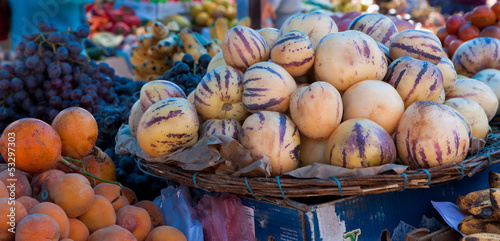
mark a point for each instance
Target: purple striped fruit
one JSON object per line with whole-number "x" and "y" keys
{"x": 219, "y": 95}
{"x": 477, "y": 54}
{"x": 343, "y": 59}
{"x": 385, "y": 50}
{"x": 270, "y": 35}
{"x": 272, "y": 134}
{"x": 312, "y": 151}
{"x": 374, "y": 100}
{"x": 316, "y": 109}
{"x": 376, "y": 25}
{"x": 316, "y": 24}
{"x": 449, "y": 73}
{"x": 474, "y": 114}
{"x": 418, "y": 44}
{"x": 157, "y": 90}
{"x": 415, "y": 80}
{"x": 243, "y": 47}
{"x": 491, "y": 77}
{"x": 358, "y": 143}
{"x": 477, "y": 91}
{"x": 217, "y": 61}
{"x": 134, "y": 117}
{"x": 228, "y": 127}
{"x": 430, "y": 134}
{"x": 267, "y": 86}
{"x": 294, "y": 52}
{"x": 167, "y": 126}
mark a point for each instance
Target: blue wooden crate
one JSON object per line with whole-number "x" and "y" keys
{"x": 362, "y": 217}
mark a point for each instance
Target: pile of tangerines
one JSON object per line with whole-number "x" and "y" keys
{"x": 482, "y": 21}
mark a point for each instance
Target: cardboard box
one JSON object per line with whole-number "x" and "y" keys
{"x": 356, "y": 218}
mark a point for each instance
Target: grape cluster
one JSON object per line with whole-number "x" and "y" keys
{"x": 146, "y": 187}
{"x": 186, "y": 73}
{"x": 52, "y": 75}
{"x": 109, "y": 118}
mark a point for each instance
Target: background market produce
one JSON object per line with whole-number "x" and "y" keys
{"x": 159, "y": 49}
{"x": 206, "y": 13}
{"x": 105, "y": 18}
{"x": 482, "y": 21}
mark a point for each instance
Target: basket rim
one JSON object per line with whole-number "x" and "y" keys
{"x": 290, "y": 187}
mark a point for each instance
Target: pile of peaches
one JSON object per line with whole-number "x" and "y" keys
{"x": 48, "y": 192}
{"x": 64, "y": 206}
{"x": 482, "y": 21}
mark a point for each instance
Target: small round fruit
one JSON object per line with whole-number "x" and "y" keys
{"x": 166, "y": 233}
{"x": 491, "y": 31}
{"x": 37, "y": 227}
{"x": 468, "y": 32}
{"x": 358, "y": 143}
{"x": 454, "y": 23}
{"x": 482, "y": 16}
{"x": 38, "y": 146}
{"x": 78, "y": 131}
{"x": 54, "y": 212}
{"x": 73, "y": 193}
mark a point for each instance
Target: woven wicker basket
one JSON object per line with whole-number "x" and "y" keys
{"x": 283, "y": 187}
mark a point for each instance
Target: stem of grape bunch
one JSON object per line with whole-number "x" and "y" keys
{"x": 67, "y": 161}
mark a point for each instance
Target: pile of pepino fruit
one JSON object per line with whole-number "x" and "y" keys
{"x": 307, "y": 93}
{"x": 58, "y": 186}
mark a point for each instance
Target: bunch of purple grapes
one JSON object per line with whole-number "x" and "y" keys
{"x": 55, "y": 74}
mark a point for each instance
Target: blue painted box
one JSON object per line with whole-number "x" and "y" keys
{"x": 361, "y": 218}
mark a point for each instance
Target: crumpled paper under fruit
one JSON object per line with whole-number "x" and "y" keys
{"x": 218, "y": 153}
{"x": 224, "y": 155}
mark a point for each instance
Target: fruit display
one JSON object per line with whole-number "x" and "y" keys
{"x": 481, "y": 208}
{"x": 386, "y": 83}
{"x": 206, "y": 13}
{"x": 482, "y": 21}
{"x": 159, "y": 49}
{"x": 105, "y": 18}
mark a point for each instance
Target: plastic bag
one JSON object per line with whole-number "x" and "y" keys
{"x": 224, "y": 219}
{"x": 176, "y": 206}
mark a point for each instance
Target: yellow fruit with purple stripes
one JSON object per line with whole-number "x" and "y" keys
{"x": 275, "y": 135}
{"x": 358, "y": 143}
{"x": 294, "y": 52}
{"x": 415, "y": 80}
{"x": 376, "y": 25}
{"x": 418, "y": 44}
{"x": 430, "y": 134}
{"x": 243, "y": 47}
{"x": 267, "y": 86}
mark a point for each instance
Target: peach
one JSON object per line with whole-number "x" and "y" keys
{"x": 21, "y": 186}
{"x": 134, "y": 219}
{"x": 77, "y": 230}
{"x": 73, "y": 193}
{"x": 113, "y": 193}
{"x": 27, "y": 202}
{"x": 130, "y": 195}
{"x": 42, "y": 182}
{"x": 36, "y": 227}
{"x": 57, "y": 213}
{"x": 117, "y": 234}
{"x": 100, "y": 214}
{"x": 166, "y": 233}
{"x": 8, "y": 219}
{"x": 4, "y": 192}
{"x": 98, "y": 233}
{"x": 66, "y": 239}
{"x": 157, "y": 218}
